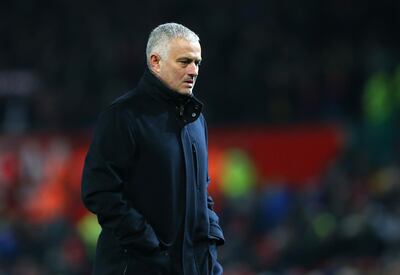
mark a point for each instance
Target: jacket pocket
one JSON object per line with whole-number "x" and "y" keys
{"x": 138, "y": 263}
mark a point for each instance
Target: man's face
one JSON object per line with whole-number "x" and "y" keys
{"x": 180, "y": 68}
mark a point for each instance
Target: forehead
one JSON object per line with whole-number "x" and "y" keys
{"x": 183, "y": 48}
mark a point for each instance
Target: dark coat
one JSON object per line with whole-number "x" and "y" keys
{"x": 146, "y": 179}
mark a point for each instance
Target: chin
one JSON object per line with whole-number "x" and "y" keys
{"x": 186, "y": 92}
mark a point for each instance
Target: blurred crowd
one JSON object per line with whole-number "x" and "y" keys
{"x": 265, "y": 63}
{"x": 348, "y": 223}
{"x": 345, "y": 222}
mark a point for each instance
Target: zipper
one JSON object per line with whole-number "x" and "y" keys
{"x": 195, "y": 165}
{"x": 183, "y": 133}
{"x": 189, "y": 145}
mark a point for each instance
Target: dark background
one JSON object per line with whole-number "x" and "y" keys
{"x": 264, "y": 61}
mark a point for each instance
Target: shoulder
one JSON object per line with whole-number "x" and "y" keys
{"x": 128, "y": 103}
{"x": 116, "y": 111}
{"x": 128, "y": 99}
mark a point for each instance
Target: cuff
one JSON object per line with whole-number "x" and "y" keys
{"x": 216, "y": 234}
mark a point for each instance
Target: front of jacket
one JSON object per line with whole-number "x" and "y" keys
{"x": 146, "y": 179}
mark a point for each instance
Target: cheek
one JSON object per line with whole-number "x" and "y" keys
{"x": 178, "y": 75}
{"x": 183, "y": 73}
{"x": 169, "y": 76}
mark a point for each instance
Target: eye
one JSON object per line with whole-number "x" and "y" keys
{"x": 184, "y": 61}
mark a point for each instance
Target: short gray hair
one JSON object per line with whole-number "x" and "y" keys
{"x": 160, "y": 37}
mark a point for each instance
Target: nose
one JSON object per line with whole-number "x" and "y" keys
{"x": 193, "y": 69}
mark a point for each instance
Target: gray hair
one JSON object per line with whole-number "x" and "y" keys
{"x": 160, "y": 37}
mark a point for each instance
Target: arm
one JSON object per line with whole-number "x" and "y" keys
{"x": 215, "y": 232}
{"x": 109, "y": 158}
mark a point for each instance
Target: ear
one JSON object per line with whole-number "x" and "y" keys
{"x": 155, "y": 62}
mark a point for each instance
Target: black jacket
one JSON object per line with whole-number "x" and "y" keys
{"x": 146, "y": 179}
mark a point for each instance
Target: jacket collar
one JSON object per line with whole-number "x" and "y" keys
{"x": 188, "y": 107}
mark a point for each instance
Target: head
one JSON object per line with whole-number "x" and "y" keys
{"x": 174, "y": 54}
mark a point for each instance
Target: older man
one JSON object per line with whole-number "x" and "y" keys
{"x": 146, "y": 172}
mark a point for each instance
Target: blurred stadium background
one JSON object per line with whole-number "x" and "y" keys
{"x": 303, "y": 105}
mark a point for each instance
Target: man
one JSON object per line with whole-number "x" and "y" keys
{"x": 145, "y": 175}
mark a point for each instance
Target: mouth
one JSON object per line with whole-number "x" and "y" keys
{"x": 189, "y": 83}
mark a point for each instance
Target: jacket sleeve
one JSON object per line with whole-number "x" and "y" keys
{"x": 215, "y": 229}
{"x": 108, "y": 160}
